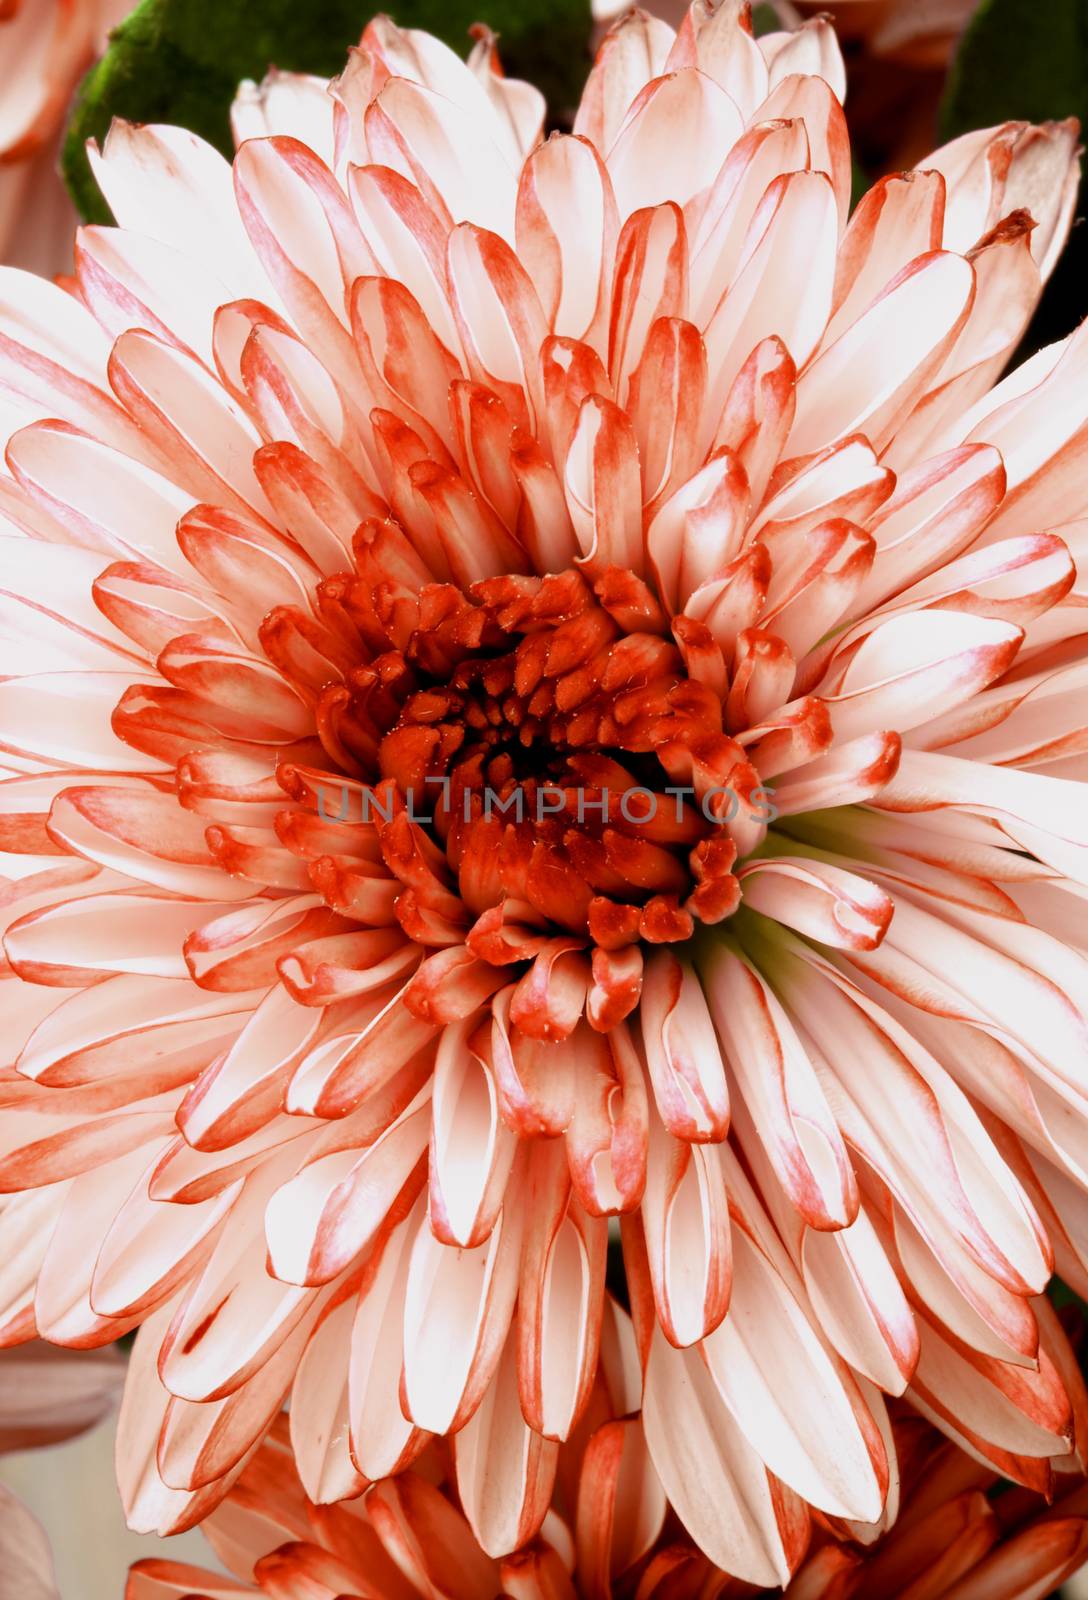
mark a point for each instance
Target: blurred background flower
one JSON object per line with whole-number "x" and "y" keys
{"x": 45, "y": 47}
{"x": 47, "y": 1395}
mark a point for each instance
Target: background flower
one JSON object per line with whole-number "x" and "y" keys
{"x": 46, "y": 1395}
{"x": 416, "y": 448}
{"x": 45, "y": 46}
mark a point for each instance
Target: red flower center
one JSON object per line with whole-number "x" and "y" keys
{"x": 529, "y": 743}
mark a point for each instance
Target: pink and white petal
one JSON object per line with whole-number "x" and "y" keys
{"x": 914, "y": 667}
{"x": 845, "y": 480}
{"x": 649, "y": 282}
{"x": 952, "y": 1184}
{"x": 758, "y": 413}
{"x": 1040, "y": 814}
{"x": 429, "y": 1540}
{"x": 682, "y": 1052}
{"x": 505, "y": 1470}
{"x": 621, "y": 1505}
{"x": 318, "y": 1411}
{"x": 129, "y": 279}
{"x": 62, "y": 1301}
{"x": 326, "y": 1217}
{"x": 48, "y": 1136}
{"x": 797, "y": 212}
{"x": 234, "y": 1315}
{"x": 418, "y": 56}
{"x": 782, "y": 1093}
{"x": 825, "y": 903}
{"x": 246, "y": 1084}
{"x": 458, "y": 161}
{"x": 988, "y": 1318}
{"x": 29, "y": 1218}
{"x": 1039, "y": 422}
{"x": 201, "y": 1443}
{"x": 560, "y": 1297}
{"x": 1012, "y": 1409}
{"x": 670, "y": 145}
{"x": 831, "y": 1455}
{"x": 407, "y": 238}
{"x": 715, "y": 1481}
{"x": 720, "y": 44}
{"x": 196, "y": 427}
{"x": 152, "y": 1579}
{"x": 458, "y": 1305}
{"x": 817, "y": 103}
{"x": 666, "y": 402}
{"x": 499, "y": 318}
{"x": 383, "y": 1440}
{"x": 813, "y": 48}
{"x": 725, "y": 212}
{"x": 46, "y": 604}
{"x": 39, "y": 319}
{"x": 848, "y": 775}
{"x": 859, "y": 1301}
{"x": 1027, "y": 986}
{"x": 340, "y": 966}
{"x": 882, "y": 364}
{"x": 170, "y": 184}
{"x": 152, "y": 1248}
{"x": 471, "y": 1148}
{"x": 686, "y": 1220}
{"x": 994, "y": 171}
{"x": 64, "y": 719}
{"x": 632, "y": 54}
{"x": 83, "y": 939}
{"x": 150, "y": 1505}
{"x": 566, "y": 227}
{"x": 937, "y": 510}
{"x": 406, "y": 366}
{"x": 358, "y": 1058}
{"x": 291, "y": 103}
{"x": 278, "y": 183}
{"x": 107, "y": 501}
{"x": 171, "y": 1027}
{"x": 899, "y": 219}
{"x": 519, "y": 108}
{"x": 606, "y": 1136}
{"x": 603, "y": 487}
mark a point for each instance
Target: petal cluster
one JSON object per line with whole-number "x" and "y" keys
{"x": 609, "y": 1531}
{"x": 543, "y": 683}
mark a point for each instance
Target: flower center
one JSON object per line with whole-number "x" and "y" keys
{"x": 532, "y": 739}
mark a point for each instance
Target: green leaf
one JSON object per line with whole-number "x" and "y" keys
{"x": 180, "y": 61}
{"x": 1060, "y": 1294}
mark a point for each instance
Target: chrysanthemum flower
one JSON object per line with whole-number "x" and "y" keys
{"x": 609, "y": 1531}
{"x": 44, "y": 47}
{"x": 418, "y": 470}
